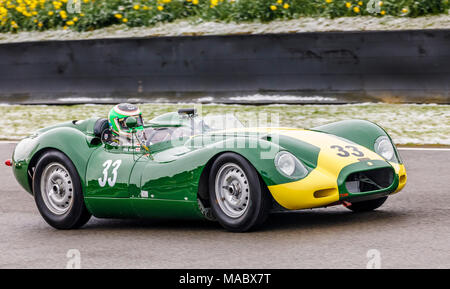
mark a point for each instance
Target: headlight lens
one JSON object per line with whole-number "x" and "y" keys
{"x": 287, "y": 164}
{"x": 384, "y": 148}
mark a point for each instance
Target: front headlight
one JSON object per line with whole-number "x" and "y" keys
{"x": 288, "y": 165}
{"x": 384, "y": 148}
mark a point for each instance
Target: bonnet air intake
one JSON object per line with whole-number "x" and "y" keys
{"x": 371, "y": 180}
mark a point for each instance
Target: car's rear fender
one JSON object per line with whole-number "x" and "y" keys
{"x": 72, "y": 142}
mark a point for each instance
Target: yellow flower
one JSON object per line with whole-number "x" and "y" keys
{"x": 380, "y": 3}
{"x": 382, "y": 12}
{"x": 360, "y": 3}
{"x": 65, "y": 27}
{"x": 348, "y": 4}
{"x": 63, "y": 14}
{"x": 279, "y": 1}
{"x": 273, "y": 7}
{"x": 136, "y": 7}
{"x": 70, "y": 23}
{"x": 195, "y": 2}
{"x": 286, "y": 6}
{"x": 40, "y": 24}
{"x": 125, "y": 20}
{"x": 50, "y": 13}
{"x": 160, "y": 8}
{"x": 75, "y": 19}
{"x": 328, "y": 1}
{"x": 356, "y": 9}
{"x": 118, "y": 16}
{"x": 405, "y": 10}
{"x": 57, "y": 4}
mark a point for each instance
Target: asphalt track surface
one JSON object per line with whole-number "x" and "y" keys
{"x": 412, "y": 230}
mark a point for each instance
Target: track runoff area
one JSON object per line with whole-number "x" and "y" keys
{"x": 410, "y": 231}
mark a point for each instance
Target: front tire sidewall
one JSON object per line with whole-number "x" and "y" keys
{"x": 255, "y": 212}
{"x": 77, "y": 215}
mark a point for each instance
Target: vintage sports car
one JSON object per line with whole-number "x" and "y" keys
{"x": 186, "y": 166}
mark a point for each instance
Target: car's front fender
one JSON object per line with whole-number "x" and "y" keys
{"x": 362, "y": 132}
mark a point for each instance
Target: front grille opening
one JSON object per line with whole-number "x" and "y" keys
{"x": 367, "y": 181}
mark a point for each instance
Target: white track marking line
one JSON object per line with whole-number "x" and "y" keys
{"x": 424, "y": 149}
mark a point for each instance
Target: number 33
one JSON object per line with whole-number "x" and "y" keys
{"x": 107, "y": 165}
{"x": 343, "y": 153}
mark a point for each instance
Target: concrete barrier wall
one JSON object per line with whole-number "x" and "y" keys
{"x": 405, "y": 66}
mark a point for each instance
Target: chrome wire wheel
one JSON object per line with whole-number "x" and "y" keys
{"x": 57, "y": 188}
{"x": 232, "y": 190}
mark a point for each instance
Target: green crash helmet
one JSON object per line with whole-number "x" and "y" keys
{"x": 118, "y": 116}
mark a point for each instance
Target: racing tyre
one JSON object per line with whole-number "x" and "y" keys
{"x": 367, "y": 206}
{"x": 57, "y": 192}
{"x": 239, "y": 199}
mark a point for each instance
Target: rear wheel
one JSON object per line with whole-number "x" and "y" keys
{"x": 57, "y": 192}
{"x": 239, "y": 199}
{"x": 367, "y": 206}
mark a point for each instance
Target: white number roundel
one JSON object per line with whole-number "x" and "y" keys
{"x": 110, "y": 180}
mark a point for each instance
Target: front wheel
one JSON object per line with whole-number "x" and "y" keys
{"x": 239, "y": 199}
{"x": 57, "y": 192}
{"x": 366, "y": 206}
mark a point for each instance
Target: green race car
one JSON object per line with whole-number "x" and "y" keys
{"x": 180, "y": 165}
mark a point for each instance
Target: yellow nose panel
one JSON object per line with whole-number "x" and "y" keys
{"x": 320, "y": 187}
{"x": 335, "y": 153}
{"x": 401, "y": 172}
{"x": 308, "y": 192}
